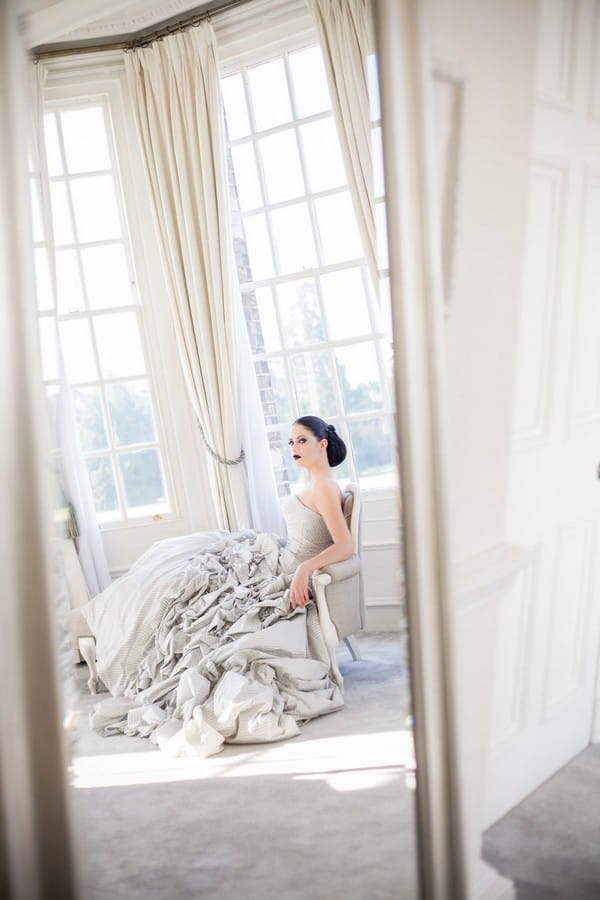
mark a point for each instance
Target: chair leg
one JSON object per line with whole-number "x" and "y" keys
{"x": 330, "y": 635}
{"x": 87, "y": 648}
{"x": 352, "y": 646}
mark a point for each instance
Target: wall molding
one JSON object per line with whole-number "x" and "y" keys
{"x": 482, "y": 575}
{"x": 561, "y": 93}
{"x": 538, "y": 318}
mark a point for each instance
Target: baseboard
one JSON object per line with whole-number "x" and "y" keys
{"x": 487, "y": 884}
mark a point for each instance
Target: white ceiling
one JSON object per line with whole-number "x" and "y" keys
{"x": 72, "y": 21}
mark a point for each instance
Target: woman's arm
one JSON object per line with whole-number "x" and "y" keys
{"x": 327, "y": 502}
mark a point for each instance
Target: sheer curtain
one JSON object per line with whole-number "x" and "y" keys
{"x": 175, "y": 93}
{"x": 343, "y": 28}
{"x": 70, "y": 466}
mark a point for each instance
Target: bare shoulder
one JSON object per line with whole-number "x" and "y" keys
{"x": 327, "y": 494}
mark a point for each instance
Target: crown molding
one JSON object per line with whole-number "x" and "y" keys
{"x": 88, "y": 20}
{"x": 136, "y": 17}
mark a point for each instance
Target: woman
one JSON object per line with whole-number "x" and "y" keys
{"x": 212, "y": 638}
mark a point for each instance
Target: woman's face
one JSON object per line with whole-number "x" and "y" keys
{"x": 305, "y": 448}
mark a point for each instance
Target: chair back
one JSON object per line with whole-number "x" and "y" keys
{"x": 351, "y": 507}
{"x": 351, "y": 510}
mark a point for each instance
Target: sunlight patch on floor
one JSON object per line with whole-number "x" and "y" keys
{"x": 361, "y": 780}
{"x": 342, "y": 761}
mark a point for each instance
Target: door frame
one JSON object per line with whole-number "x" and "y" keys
{"x": 417, "y": 311}
{"x": 415, "y": 260}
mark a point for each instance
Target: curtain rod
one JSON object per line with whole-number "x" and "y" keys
{"x": 165, "y": 28}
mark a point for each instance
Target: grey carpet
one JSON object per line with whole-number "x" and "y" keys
{"x": 326, "y": 815}
{"x": 550, "y": 843}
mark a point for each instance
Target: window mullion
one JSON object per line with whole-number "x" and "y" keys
{"x": 96, "y": 401}
{"x": 356, "y": 391}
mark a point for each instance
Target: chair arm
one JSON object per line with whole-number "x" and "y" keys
{"x": 337, "y": 592}
{"x": 339, "y": 571}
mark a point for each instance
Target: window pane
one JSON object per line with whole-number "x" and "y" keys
{"x": 322, "y": 154}
{"x": 78, "y": 351}
{"x": 52, "y": 146}
{"x": 106, "y": 275}
{"x": 143, "y": 482}
{"x": 372, "y": 446}
{"x": 36, "y": 215}
{"x": 266, "y": 389}
{"x": 310, "y": 82}
{"x": 268, "y": 322}
{"x": 345, "y": 304}
{"x": 246, "y": 176}
{"x": 61, "y": 216}
{"x": 300, "y": 314}
{"x": 270, "y": 98}
{"x": 359, "y": 377}
{"x": 236, "y": 113}
{"x": 273, "y": 383}
{"x": 381, "y": 233}
{"x": 281, "y": 166}
{"x": 84, "y": 133}
{"x": 49, "y": 348}
{"x": 385, "y": 300}
{"x": 377, "y": 157}
{"x": 373, "y": 88}
{"x": 340, "y": 239}
{"x": 69, "y": 291}
{"x": 259, "y": 251}
{"x": 313, "y": 384}
{"x": 95, "y": 208}
{"x": 281, "y": 461}
{"x": 293, "y": 237}
{"x": 130, "y": 413}
{"x": 89, "y": 418}
{"x": 119, "y": 346}
{"x": 43, "y": 284}
{"x": 102, "y": 480}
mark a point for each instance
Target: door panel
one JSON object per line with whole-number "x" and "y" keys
{"x": 549, "y": 632}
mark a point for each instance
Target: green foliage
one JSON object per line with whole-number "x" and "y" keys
{"x": 142, "y": 478}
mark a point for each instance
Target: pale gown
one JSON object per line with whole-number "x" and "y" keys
{"x": 199, "y": 646}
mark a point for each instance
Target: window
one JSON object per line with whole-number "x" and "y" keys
{"x": 97, "y": 314}
{"x": 316, "y": 332}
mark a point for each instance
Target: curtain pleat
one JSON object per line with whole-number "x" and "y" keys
{"x": 175, "y": 92}
{"x": 343, "y": 28}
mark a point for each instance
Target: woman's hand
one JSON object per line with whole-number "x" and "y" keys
{"x": 299, "y": 587}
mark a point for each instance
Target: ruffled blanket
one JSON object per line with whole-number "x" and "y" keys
{"x": 199, "y": 646}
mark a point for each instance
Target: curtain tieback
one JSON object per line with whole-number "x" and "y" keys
{"x": 221, "y": 459}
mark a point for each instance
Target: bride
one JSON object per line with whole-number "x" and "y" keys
{"x": 213, "y": 637}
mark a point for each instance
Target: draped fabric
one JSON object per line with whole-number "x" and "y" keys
{"x": 175, "y": 94}
{"x": 343, "y": 31}
{"x": 198, "y": 643}
{"x": 71, "y": 470}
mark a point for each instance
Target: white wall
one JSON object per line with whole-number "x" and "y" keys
{"x": 485, "y": 53}
{"x": 489, "y": 48}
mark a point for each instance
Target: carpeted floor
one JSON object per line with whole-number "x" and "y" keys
{"x": 550, "y": 843}
{"x": 327, "y": 815}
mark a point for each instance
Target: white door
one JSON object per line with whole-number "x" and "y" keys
{"x": 549, "y": 633}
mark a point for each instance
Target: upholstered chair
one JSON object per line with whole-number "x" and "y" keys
{"x": 339, "y": 590}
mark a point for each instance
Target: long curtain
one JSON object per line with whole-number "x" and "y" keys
{"x": 71, "y": 471}
{"x": 343, "y": 28}
{"x": 175, "y": 93}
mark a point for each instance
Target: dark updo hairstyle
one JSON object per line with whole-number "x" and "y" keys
{"x": 336, "y": 448}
